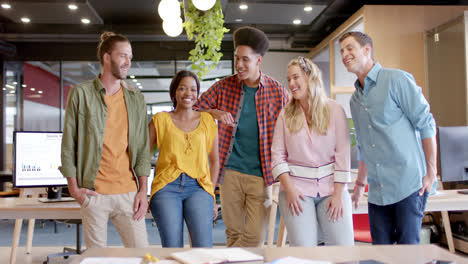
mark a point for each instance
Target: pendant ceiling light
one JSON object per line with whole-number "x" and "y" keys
{"x": 173, "y": 26}
{"x": 168, "y": 9}
{"x": 203, "y": 5}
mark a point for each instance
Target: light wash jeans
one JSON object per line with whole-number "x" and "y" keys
{"x": 183, "y": 199}
{"x": 303, "y": 229}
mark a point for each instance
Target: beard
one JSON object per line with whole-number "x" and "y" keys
{"x": 116, "y": 72}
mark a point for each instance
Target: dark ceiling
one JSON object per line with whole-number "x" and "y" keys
{"x": 57, "y": 33}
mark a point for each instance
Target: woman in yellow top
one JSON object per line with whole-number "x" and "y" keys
{"x": 187, "y": 167}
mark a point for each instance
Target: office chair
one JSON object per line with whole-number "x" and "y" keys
{"x": 361, "y": 226}
{"x": 67, "y": 252}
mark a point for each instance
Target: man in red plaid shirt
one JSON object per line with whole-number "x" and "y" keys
{"x": 246, "y": 106}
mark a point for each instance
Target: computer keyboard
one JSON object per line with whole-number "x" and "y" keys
{"x": 63, "y": 199}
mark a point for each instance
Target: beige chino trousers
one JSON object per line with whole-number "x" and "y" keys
{"x": 243, "y": 210}
{"x": 96, "y": 212}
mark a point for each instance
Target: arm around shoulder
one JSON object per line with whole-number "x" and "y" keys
{"x": 143, "y": 161}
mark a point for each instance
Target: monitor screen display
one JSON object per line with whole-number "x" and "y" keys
{"x": 453, "y": 146}
{"x": 37, "y": 159}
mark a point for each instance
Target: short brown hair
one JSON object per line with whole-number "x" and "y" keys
{"x": 175, "y": 83}
{"x": 108, "y": 39}
{"x": 362, "y": 38}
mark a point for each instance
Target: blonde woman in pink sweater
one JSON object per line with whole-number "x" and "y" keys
{"x": 311, "y": 159}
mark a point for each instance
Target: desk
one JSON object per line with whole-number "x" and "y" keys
{"x": 18, "y": 208}
{"x": 398, "y": 254}
{"x": 28, "y": 208}
{"x": 443, "y": 200}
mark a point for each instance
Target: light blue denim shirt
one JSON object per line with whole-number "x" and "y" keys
{"x": 391, "y": 116}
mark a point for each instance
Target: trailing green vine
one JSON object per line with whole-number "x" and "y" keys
{"x": 206, "y": 27}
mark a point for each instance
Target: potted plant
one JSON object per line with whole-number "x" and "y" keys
{"x": 207, "y": 29}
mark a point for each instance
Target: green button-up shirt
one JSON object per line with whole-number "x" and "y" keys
{"x": 83, "y": 133}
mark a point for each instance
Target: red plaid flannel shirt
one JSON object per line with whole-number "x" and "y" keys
{"x": 225, "y": 95}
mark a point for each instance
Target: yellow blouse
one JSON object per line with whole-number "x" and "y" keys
{"x": 181, "y": 152}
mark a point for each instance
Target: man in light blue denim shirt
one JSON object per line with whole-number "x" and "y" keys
{"x": 396, "y": 135}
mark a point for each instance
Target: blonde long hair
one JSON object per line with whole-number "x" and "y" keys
{"x": 318, "y": 114}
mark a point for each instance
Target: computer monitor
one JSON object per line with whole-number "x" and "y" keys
{"x": 36, "y": 159}
{"x": 453, "y": 148}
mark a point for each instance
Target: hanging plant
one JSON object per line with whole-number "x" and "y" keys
{"x": 207, "y": 30}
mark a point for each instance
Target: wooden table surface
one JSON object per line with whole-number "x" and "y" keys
{"x": 397, "y": 254}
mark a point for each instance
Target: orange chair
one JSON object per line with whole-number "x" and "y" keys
{"x": 361, "y": 226}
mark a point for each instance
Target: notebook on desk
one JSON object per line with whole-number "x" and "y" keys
{"x": 63, "y": 199}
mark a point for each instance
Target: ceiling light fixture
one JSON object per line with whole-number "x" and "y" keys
{"x": 168, "y": 9}
{"x": 239, "y": 20}
{"x": 25, "y": 20}
{"x": 33, "y": 89}
{"x": 173, "y": 27}
{"x": 135, "y": 80}
{"x": 203, "y": 5}
{"x": 72, "y": 7}
{"x": 12, "y": 92}
{"x": 308, "y": 8}
{"x": 243, "y": 6}
{"x": 24, "y": 85}
{"x": 85, "y": 21}
{"x": 132, "y": 76}
{"x": 4, "y": 89}
{"x": 39, "y": 92}
{"x": 10, "y": 86}
{"x": 14, "y": 83}
{"x": 138, "y": 84}
{"x": 297, "y": 21}
{"x": 6, "y": 6}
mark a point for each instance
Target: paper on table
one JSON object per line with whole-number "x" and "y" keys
{"x": 111, "y": 261}
{"x": 293, "y": 260}
{"x": 103, "y": 260}
{"x": 217, "y": 255}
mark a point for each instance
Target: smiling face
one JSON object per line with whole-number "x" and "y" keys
{"x": 119, "y": 60}
{"x": 355, "y": 57}
{"x": 247, "y": 64}
{"x": 298, "y": 83}
{"x": 186, "y": 93}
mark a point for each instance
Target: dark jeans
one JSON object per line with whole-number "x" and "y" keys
{"x": 183, "y": 199}
{"x": 399, "y": 222}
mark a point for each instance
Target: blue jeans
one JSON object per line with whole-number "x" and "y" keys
{"x": 183, "y": 199}
{"x": 399, "y": 222}
{"x": 303, "y": 230}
